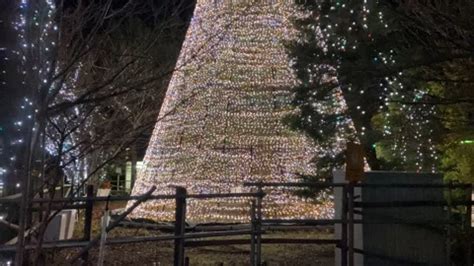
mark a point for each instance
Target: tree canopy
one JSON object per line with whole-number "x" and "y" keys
{"x": 403, "y": 70}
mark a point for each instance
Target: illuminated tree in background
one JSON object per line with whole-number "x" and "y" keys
{"x": 221, "y": 122}
{"x": 403, "y": 68}
{"x": 83, "y": 77}
{"x": 87, "y": 92}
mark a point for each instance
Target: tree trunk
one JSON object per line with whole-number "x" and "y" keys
{"x": 133, "y": 155}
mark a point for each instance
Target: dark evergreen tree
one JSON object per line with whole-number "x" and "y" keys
{"x": 401, "y": 67}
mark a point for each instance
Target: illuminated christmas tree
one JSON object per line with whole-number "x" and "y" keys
{"x": 221, "y": 121}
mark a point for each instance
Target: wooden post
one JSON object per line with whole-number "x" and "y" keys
{"x": 179, "y": 226}
{"x": 88, "y": 220}
{"x": 343, "y": 242}
{"x": 186, "y": 261}
{"x": 350, "y": 208}
{"x": 252, "y": 234}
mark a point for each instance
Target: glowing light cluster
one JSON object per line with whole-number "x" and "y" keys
{"x": 35, "y": 33}
{"x": 410, "y": 133}
{"x": 38, "y": 37}
{"x": 221, "y": 121}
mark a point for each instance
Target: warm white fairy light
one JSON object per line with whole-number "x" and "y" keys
{"x": 416, "y": 117}
{"x": 235, "y": 83}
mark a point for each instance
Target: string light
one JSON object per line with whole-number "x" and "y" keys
{"x": 32, "y": 57}
{"x": 230, "y": 128}
{"x": 407, "y": 129}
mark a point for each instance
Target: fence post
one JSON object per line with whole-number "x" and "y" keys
{"x": 179, "y": 226}
{"x": 103, "y": 234}
{"x": 88, "y": 220}
{"x": 258, "y": 224}
{"x": 468, "y": 226}
{"x": 448, "y": 225}
{"x": 350, "y": 207}
{"x": 343, "y": 242}
{"x": 252, "y": 234}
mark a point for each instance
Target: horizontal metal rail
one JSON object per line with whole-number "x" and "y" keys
{"x": 61, "y": 207}
{"x": 415, "y": 185}
{"x": 116, "y": 241}
{"x": 302, "y": 221}
{"x": 126, "y": 198}
{"x": 291, "y": 223}
{"x": 83, "y": 199}
{"x": 128, "y": 240}
{"x": 294, "y": 184}
{"x": 219, "y": 242}
{"x": 299, "y": 241}
{"x": 413, "y": 203}
{"x": 328, "y": 185}
{"x": 226, "y": 195}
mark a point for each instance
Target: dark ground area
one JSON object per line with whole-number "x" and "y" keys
{"x": 161, "y": 253}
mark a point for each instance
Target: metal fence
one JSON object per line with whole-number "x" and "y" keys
{"x": 255, "y": 230}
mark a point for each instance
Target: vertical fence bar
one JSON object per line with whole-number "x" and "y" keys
{"x": 103, "y": 236}
{"x": 448, "y": 226}
{"x": 179, "y": 226}
{"x": 252, "y": 233}
{"x": 259, "y": 225}
{"x": 350, "y": 222}
{"x": 343, "y": 242}
{"x": 468, "y": 226}
{"x": 88, "y": 220}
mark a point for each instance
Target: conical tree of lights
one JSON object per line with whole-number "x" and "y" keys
{"x": 221, "y": 121}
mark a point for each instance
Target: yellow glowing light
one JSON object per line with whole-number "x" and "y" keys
{"x": 220, "y": 123}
